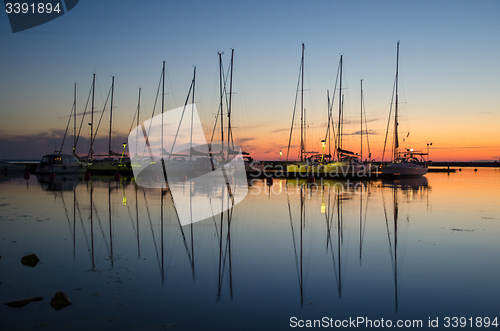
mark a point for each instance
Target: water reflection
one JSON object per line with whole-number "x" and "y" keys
{"x": 409, "y": 188}
{"x": 371, "y": 248}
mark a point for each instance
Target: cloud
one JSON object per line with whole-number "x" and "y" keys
{"x": 33, "y": 146}
{"x": 357, "y": 133}
{"x": 241, "y": 141}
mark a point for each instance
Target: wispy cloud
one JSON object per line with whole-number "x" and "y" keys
{"x": 33, "y": 146}
{"x": 357, "y": 133}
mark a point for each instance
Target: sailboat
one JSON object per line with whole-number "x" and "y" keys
{"x": 302, "y": 166}
{"x": 115, "y": 162}
{"x": 406, "y": 163}
{"x": 59, "y": 163}
{"x": 347, "y": 162}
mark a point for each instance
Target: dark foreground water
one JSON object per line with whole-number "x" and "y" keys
{"x": 407, "y": 252}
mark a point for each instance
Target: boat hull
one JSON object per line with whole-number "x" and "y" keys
{"x": 404, "y": 169}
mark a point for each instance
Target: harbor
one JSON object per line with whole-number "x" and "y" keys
{"x": 272, "y": 166}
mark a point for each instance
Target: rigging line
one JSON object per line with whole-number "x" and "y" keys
{"x": 215, "y": 125}
{"x": 136, "y": 113}
{"x": 152, "y": 231}
{"x": 83, "y": 228}
{"x": 330, "y": 116}
{"x": 153, "y": 114}
{"x": 213, "y": 217}
{"x": 180, "y": 122}
{"x": 366, "y": 127}
{"x": 170, "y": 83}
{"x": 328, "y": 218}
{"x": 83, "y": 117}
{"x": 102, "y": 230}
{"x": 335, "y": 268}
{"x": 182, "y": 230}
{"x": 66, "y": 213}
{"x": 219, "y": 109}
{"x": 388, "y": 231}
{"x": 102, "y": 114}
{"x": 293, "y": 235}
{"x": 389, "y": 120}
{"x": 226, "y": 249}
{"x": 364, "y": 220}
{"x": 67, "y": 126}
{"x": 294, "y": 109}
{"x": 131, "y": 220}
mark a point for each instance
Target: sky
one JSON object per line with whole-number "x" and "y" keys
{"x": 449, "y": 72}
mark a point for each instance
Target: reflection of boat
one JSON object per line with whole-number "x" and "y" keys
{"x": 59, "y": 163}
{"x": 407, "y": 183}
{"x": 299, "y": 253}
{"x": 407, "y": 186}
{"x": 403, "y": 164}
{"x": 62, "y": 182}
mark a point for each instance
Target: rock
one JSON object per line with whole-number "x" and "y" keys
{"x": 22, "y": 303}
{"x": 60, "y": 301}
{"x": 30, "y": 260}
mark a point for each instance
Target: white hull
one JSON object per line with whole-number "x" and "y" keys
{"x": 404, "y": 169}
{"x": 60, "y": 164}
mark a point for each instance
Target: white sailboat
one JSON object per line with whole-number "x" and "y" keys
{"x": 304, "y": 164}
{"x": 404, "y": 163}
{"x": 347, "y": 162}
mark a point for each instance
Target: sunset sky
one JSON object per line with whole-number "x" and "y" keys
{"x": 449, "y": 71}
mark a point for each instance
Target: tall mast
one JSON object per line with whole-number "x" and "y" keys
{"x": 162, "y": 107}
{"x": 230, "y": 133}
{"x": 328, "y": 126}
{"x": 396, "y": 142}
{"x": 138, "y": 122}
{"x": 74, "y": 124}
{"x": 339, "y": 144}
{"x": 192, "y": 116}
{"x": 111, "y": 114}
{"x": 361, "y": 122}
{"x": 92, "y": 120}
{"x": 221, "y": 109}
{"x": 302, "y": 133}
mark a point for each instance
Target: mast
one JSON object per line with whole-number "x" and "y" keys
{"x": 328, "y": 126}
{"x": 230, "y": 133}
{"x": 92, "y": 120}
{"x": 361, "y": 122}
{"x": 302, "y": 130}
{"x": 162, "y": 111}
{"x": 396, "y": 142}
{"x": 111, "y": 114}
{"x": 339, "y": 144}
{"x": 192, "y": 115}
{"x": 221, "y": 109}
{"x": 74, "y": 124}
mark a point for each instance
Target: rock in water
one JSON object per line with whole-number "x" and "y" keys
{"x": 22, "y": 303}
{"x": 30, "y": 260}
{"x": 59, "y": 301}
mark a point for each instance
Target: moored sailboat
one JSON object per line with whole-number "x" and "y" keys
{"x": 403, "y": 163}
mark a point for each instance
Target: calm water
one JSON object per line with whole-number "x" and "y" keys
{"x": 408, "y": 249}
